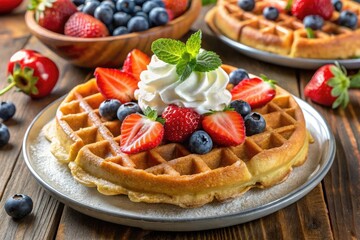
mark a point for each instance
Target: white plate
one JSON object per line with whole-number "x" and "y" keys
{"x": 302, "y": 63}
{"x": 57, "y": 180}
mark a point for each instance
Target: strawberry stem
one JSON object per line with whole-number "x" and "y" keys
{"x": 310, "y": 33}
{"x": 6, "y": 89}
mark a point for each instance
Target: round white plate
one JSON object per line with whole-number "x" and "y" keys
{"x": 57, "y": 180}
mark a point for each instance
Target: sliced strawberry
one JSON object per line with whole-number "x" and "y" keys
{"x": 140, "y": 133}
{"x": 85, "y": 26}
{"x": 303, "y": 8}
{"x": 178, "y": 7}
{"x": 114, "y": 84}
{"x": 225, "y": 128}
{"x": 136, "y": 62}
{"x": 255, "y": 91}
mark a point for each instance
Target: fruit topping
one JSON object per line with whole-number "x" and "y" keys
{"x": 241, "y": 107}
{"x": 136, "y": 62}
{"x": 18, "y": 206}
{"x": 303, "y": 8}
{"x": 114, "y": 84}
{"x": 200, "y": 142}
{"x": 226, "y": 128}
{"x": 141, "y": 132}
{"x": 348, "y": 19}
{"x": 246, "y": 5}
{"x": 337, "y": 5}
{"x": 4, "y": 135}
{"x": 254, "y": 123}
{"x": 108, "y": 109}
{"x": 180, "y": 123}
{"x": 314, "y": 22}
{"x": 329, "y": 86}
{"x": 177, "y": 7}
{"x": 271, "y": 13}
{"x": 236, "y": 76}
{"x": 255, "y": 91}
{"x": 53, "y": 14}
{"x": 127, "y": 109}
{"x": 7, "y": 110}
{"x": 85, "y": 26}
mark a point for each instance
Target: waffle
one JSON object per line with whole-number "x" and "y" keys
{"x": 169, "y": 173}
{"x": 286, "y": 36}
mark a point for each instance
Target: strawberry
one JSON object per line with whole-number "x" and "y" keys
{"x": 303, "y": 8}
{"x": 85, "y": 26}
{"x": 136, "y": 62}
{"x": 170, "y": 14}
{"x": 177, "y": 7}
{"x": 225, "y": 128}
{"x": 114, "y": 84}
{"x": 255, "y": 91}
{"x": 180, "y": 123}
{"x": 141, "y": 133}
{"x": 329, "y": 86}
{"x": 53, "y": 14}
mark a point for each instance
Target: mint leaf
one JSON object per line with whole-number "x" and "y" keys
{"x": 184, "y": 69}
{"x": 168, "y": 50}
{"x": 207, "y": 61}
{"x": 193, "y": 44}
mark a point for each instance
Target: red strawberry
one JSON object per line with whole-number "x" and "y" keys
{"x": 114, "y": 84}
{"x": 303, "y": 8}
{"x": 255, "y": 91}
{"x": 85, "y": 26}
{"x": 170, "y": 14}
{"x": 180, "y": 123}
{"x": 225, "y": 128}
{"x": 329, "y": 86}
{"x": 140, "y": 133}
{"x": 178, "y": 7}
{"x": 136, "y": 62}
{"x": 53, "y": 14}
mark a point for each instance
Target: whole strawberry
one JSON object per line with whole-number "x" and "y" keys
{"x": 52, "y": 14}
{"x": 180, "y": 123}
{"x": 303, "y": 8}
{"x": 329, "y": 86}
{"x": 85, "y": 26}
{"x": 176, "y": 7}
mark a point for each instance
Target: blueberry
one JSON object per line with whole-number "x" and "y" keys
{"x": 271, "y": 13}
{"x": 4, "y": 135}
{"x": 337, "y": 5}
{"x": 80, "y": 7}
{"x": 104, "y": 13}
{"x": 137, "y": 9}
{"x": 242, "y": 107}
{"x": 348, "y": 19}
{"x": 246, "y": 5}
{"x": 140, "y": 2}
{"x": 138, "y": 24}
{"x": 120, "y": 31}
{"x": 236, "y": 76}
{"x": 7, "y": 110}
{"x": 127, "y": 109}
{"x": 315, "y": 22}
{"x": 109, "y": 3}
{"x": 125, "y": 5}
{"x": 158, "y": 16}
{"x": 78, "y": 2}
{"x": 200, "y": 142}
{"x": 121, "y": 19}
{"x": 148, "y": 6}
{"x": 143, "y": 14}
{"x": 18, "y": 206}
{"x": 108, "y": 109}
{"x": 254, "y": 123}
{"x": 160, "y": 3}
{"x": 89, "y": 7}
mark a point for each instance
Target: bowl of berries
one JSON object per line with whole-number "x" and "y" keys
{"x": 100, "y": 33}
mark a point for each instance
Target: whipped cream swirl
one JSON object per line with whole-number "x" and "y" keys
{"x": 202, "y": 91}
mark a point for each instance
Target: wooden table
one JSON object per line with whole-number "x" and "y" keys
{"x": 330, "y": 210}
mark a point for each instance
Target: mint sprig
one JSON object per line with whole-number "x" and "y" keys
{"x": 186, "y": 56}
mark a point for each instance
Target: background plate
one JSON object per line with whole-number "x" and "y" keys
{"x": 302, "y": 63}
{"x": 57, "y": 180}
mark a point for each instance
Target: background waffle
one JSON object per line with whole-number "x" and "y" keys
{"x": 286, "y": 35}
{"x": 169, "y": 173}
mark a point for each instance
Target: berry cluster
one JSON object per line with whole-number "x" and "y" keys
{"x": 125, "y": 16}
{"x": 7, "y": 111}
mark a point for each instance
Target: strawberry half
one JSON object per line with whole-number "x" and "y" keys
{"x": 140, "y": 133}
{"x": 85, "y": 26}
{"x": 180, "y": 123}
{"x": 136, "y": 62}
{"x": 303, "y": 8}
{"x": 225, "y": 128}
{"x": 114, "y": 84}
{"x": 177, "y": 7}
{"x": 255, "y": 91}
{"x": 53, "y": 14}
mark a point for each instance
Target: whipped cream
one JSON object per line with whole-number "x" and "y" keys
{"x": 159, "y": 86}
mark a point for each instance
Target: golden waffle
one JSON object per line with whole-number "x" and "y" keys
{"x": 169, "y": 173}
{"x": 286, "y": 36}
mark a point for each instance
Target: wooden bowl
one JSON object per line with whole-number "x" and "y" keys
{"x": 110, "y": 51}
